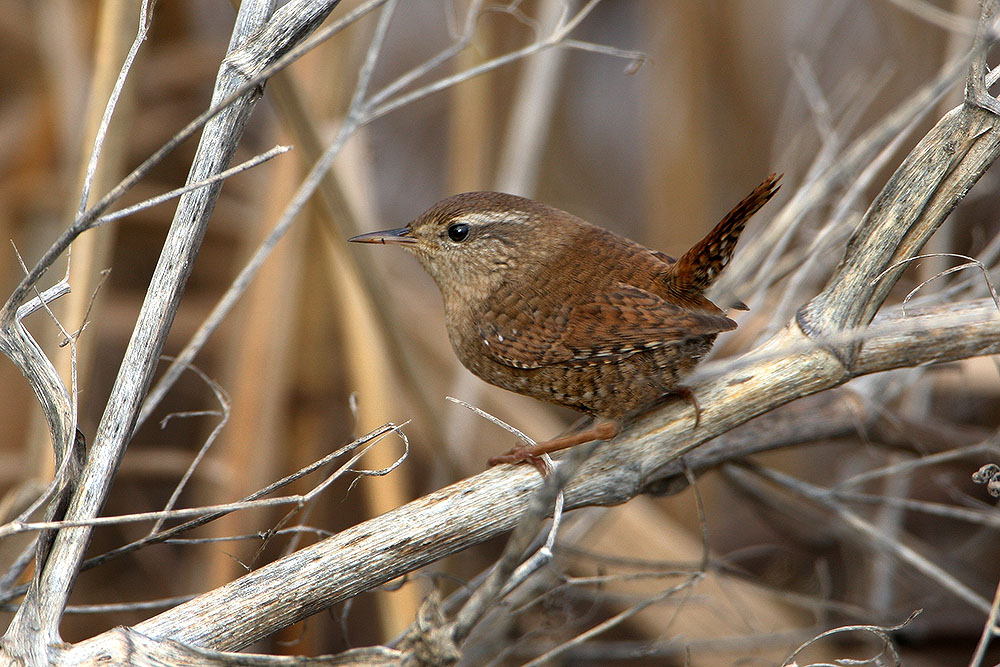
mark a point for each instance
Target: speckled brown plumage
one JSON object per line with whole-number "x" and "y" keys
{"x": 542, "y": 303}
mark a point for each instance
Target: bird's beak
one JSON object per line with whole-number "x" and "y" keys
{"x": 401, "y": 235}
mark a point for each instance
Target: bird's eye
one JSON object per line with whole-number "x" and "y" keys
{"x": 458, "y": 232}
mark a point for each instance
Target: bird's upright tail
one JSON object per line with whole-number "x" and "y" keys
{"x": 699, "y": 266}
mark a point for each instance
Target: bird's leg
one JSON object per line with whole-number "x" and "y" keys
{"x": 602, "y": 429}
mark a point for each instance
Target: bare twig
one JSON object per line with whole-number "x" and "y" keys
{"x": 173, "y": 194}
{"x": 878, "y": 539}
{"x": 145, "y": 21}
{"x": 205, "y": 515}
{"x": 223, "y": 400}
{"x": 882, "y": 632}
{"x": 990, "y": 630}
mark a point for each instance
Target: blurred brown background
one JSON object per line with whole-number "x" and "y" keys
{"x": 732, "y": 90}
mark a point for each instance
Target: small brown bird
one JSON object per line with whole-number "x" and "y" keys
{"x": 542, "y": 303}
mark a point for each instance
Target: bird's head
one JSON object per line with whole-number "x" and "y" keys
{"x": 471, "y": 242}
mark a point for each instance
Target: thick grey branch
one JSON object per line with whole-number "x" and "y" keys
{"x": 933, "y": 178}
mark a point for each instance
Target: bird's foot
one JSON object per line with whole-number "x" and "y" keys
{"x": 519, "y": 454}
{"x": 602, "y": 429}
{"x": 683, "y": 391}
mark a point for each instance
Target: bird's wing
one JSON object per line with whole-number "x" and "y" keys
{"x": 612, "y": 324}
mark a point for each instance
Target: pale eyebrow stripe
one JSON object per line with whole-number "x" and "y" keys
{"x": 484, "y": 217}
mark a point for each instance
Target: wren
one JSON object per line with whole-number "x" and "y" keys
{"x": 542, "y": 303}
